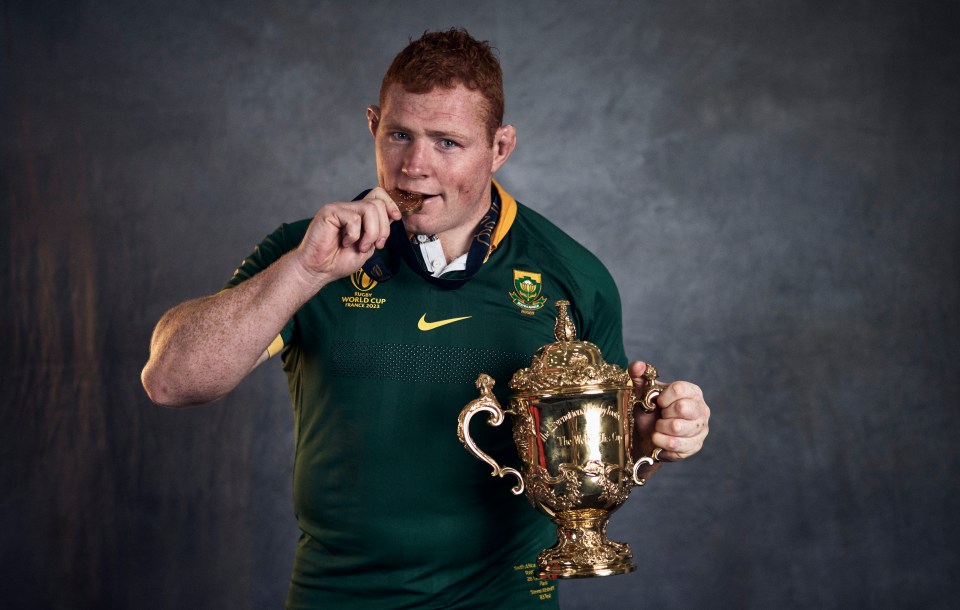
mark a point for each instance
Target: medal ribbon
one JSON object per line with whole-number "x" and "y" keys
{"x": 399, "y": 247}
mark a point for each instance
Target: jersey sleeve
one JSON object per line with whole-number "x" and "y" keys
{"x": 267, "y": 252}
{"x": 603, "y": 320}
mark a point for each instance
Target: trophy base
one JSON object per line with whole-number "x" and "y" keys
{"x": 583, "y": 549}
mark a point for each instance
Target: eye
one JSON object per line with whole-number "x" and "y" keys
{"x": 400, "y": 136}
{"x": 448, "y": 144}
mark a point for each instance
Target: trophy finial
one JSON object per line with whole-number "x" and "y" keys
{"x": 485, "y": 384}
{"x": 564, "y": 330}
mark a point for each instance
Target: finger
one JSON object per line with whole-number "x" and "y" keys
{"x": 390, "y": 206}
{"x": 383, "y": 216}
{"x": 677, "y": 426}
{"x": 351, "y": 226}
{"x": 372, "y": 225}
{"x": 685, "y": 408}
{"x": 675, "y": 448}
{"x": 680, "y": 440}
{"x": 678, "y": 390}
{"x": 387, "y": 213}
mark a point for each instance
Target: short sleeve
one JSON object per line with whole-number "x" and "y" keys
{"x": 271, "y": 249}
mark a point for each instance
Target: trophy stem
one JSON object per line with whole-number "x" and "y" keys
{"x": 583, "y": 548}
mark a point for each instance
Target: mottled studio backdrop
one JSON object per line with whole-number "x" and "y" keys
{"x": 774, "y": 185}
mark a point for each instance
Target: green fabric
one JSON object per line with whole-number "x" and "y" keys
{"x": 394, "y": 512}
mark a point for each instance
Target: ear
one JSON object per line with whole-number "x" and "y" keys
{"x": 504, "y": 141}
{"x": 373, "y": 119}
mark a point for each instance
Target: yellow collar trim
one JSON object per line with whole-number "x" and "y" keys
{"x": 508, "y": 213}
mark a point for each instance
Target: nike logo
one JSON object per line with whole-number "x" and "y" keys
{"x": 422, "y": 324}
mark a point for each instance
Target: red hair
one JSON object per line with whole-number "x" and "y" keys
{"x": 447, "y": 59}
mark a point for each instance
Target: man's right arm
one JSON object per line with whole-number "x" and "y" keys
{"x": 202, "y": 349}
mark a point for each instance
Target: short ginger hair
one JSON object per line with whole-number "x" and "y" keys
{"x": 447, "y": 59}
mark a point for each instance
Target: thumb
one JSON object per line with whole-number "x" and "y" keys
{"x": 636, "y": 370}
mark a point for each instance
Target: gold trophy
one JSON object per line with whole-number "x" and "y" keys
{"x": 572, "y": 419}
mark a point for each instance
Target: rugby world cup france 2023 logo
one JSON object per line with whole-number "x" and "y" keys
{"x": 527, "y": 291}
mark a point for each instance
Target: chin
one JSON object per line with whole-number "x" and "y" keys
{"x": 414, "y": 224}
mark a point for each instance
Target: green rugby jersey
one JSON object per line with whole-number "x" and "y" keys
{"x": 394, "y": 512}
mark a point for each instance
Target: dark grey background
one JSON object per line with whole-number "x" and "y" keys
{"x": 773, "y": 185}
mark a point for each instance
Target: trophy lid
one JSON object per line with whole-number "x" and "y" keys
{"x": 568, "y": 366}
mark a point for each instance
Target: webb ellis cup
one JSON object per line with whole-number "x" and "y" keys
{"x": 572, "y": 417}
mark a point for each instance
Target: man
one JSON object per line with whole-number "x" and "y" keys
{"x": 384, "y": 321}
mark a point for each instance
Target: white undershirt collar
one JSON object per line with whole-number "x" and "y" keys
{"x": 433, "y": 257}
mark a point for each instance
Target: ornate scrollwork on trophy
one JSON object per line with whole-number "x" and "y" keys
{"x": 545, "y": 376}
{"x": 561, "y": 492}
{"x": 614, "y": 492}
{"x": 585, "y": 545}
{"x": 567, "y": 365}
{"x": 523, "y": 431}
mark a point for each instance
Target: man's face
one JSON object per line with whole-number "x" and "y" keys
{"x": 437, "y": 144}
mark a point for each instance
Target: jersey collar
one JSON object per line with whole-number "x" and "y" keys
{"x": 384, "y": 264}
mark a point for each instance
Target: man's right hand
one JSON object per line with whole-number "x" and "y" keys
{"x": 343, "y": 235}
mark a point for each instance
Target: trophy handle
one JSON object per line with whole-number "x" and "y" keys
{"x": 648, "y": 403}
{"x": 487, "y": 402}
{"x": 654, "y": 388}
{"x": 648, "y": 460}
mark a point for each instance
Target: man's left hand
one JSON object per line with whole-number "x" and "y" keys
{"x": 680, "y": 423}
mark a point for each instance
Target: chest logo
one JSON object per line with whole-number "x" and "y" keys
{"x": 527, "y": 291}
{"x": 423, "y": 325}
{"x": 362, "y": 297}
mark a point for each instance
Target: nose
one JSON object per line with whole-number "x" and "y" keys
{"x": 416, "y": 162}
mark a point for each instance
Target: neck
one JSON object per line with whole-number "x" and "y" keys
{"x": 454, "y": 250}
{"x": 457, "y": 241}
